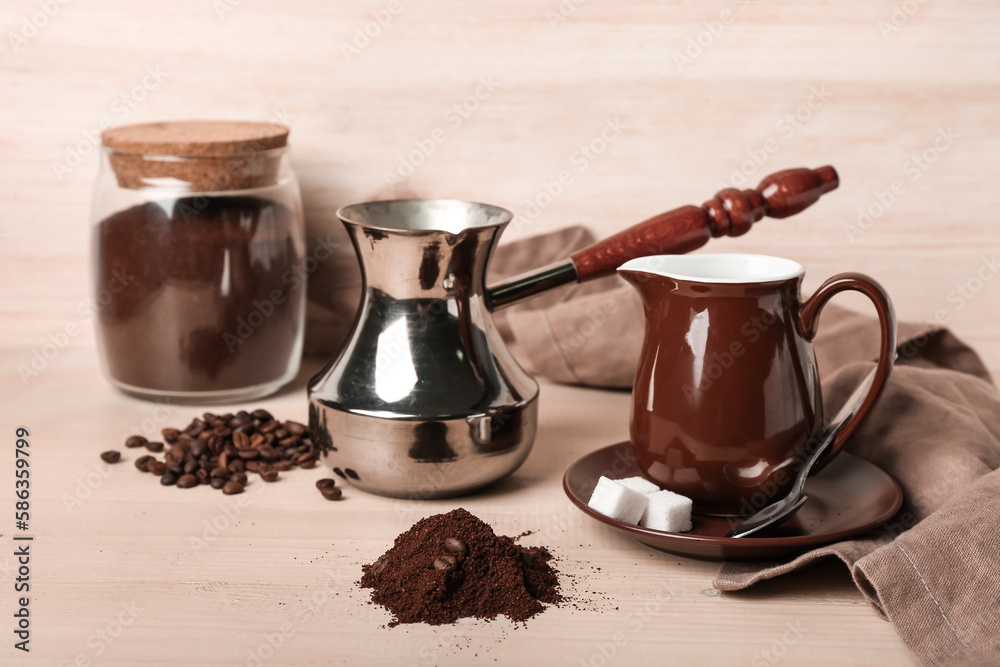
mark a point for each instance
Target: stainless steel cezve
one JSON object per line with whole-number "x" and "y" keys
{"x": 424, "y": 400}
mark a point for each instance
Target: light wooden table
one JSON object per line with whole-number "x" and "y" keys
{"x": 127, "y": 572}
{"x": 890, "y": 75}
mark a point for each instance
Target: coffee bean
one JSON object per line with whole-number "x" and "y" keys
{"x": 221, "y": 473}
{"x": 296, "y": 428}
{"x": 268, "y": 453}
{"x": 246, "y": 429}
{"x": 237, "y": 466}
{"x": 195, "y": 429}
{"x": 154, "y": 446}
{"x": 456, "y": 546}
{"x": 269, "y": 427}
{"x": 241, "y": 440}
{"x": 199, "y": 448}
{"x": 255, "y": 466}
{"x": 175, "y": 469}
{"x": 247, "y": 454}
{"x": 111, "y": 456}
{"x": 325, "y": 483}
{"x": 170, "y": 435}
{"x": 269, "y": 475}
{"x": 282, "y": 466}
{"x": 187, "y": 481}
{"x": 135, "y": 441}
{"x": 168, "y": 479}
{"x": 309, "y": 463}
{"x": 142, "y": 463}
{"x": 262, "y": 415}
{"x": 202, "y": 475}
{"x": 379, "y": 566}
{"x": 331, "y": 492}
{"x": 281, "y": 433}
{"x": 232, "y": 488}
{"x": 190, "y": 466}
{"x": 217, "y": 482}
{"x": 256, "y": 440}
{"x": 290, "y": 441}
{"x": 158, "y": 468}
{"x": 240, "y": 478}
{"x": 446, "y": 563}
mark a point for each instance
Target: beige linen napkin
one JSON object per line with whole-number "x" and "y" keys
{"x": 934, "y": 569}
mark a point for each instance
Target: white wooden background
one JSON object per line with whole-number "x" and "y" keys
{"x": 697, "y": 88}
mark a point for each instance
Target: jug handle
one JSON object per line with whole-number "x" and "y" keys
{"x": 730, "y": 213}
{"x": 808, "y": 321}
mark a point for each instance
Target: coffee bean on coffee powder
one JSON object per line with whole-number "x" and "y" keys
{"x": 451, "y": 566}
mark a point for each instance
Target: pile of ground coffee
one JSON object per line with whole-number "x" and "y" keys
{"x": 451, "y": 566}
{"x": 203, "y": 293}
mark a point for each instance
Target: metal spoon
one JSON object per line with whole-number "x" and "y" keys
{"x": 780, "y": 510}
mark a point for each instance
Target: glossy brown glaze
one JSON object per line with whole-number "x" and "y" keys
{"x": 727, "y": 398}
{"x": 730, "y": 213}
{"x": 808, "y": 321}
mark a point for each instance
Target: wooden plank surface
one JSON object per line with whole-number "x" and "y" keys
{"x": 698, "y": 96}
{"x": 127, "y": 572}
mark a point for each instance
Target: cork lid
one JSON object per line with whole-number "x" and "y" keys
{"x": 215, "y": 155}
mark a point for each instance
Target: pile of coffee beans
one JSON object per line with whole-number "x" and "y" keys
{"x": 451, "y": 566}
{"x": 220, "y": 450}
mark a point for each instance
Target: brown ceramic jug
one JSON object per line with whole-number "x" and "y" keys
{"x": 727, "y": 396}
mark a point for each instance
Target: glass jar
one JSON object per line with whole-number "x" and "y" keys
{"x": 198, "y": 249}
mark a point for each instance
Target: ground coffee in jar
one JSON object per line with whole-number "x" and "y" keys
{"x": 451, "y": 566}
{"x": 199, "y": 241}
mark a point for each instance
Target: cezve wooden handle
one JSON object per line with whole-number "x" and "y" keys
{"x": 730, "y": 213}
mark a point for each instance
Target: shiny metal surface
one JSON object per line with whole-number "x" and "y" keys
{"x": 424, "y": 400}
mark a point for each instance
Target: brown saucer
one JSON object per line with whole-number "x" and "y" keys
{"x": 847, "y": 497}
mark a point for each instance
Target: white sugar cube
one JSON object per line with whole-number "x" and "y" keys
{"x": 618, "y": 502}
{"x": 640, "y": 484}
{"x": 668, "y": 511}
